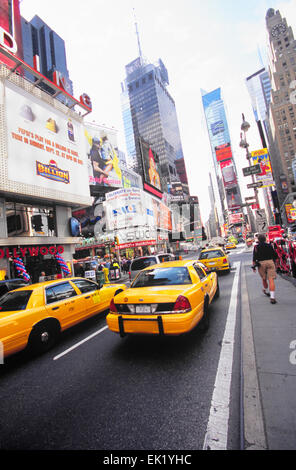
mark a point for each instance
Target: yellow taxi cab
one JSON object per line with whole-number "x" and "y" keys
{"x": 215, "y": 259}
{"x": 165, "y": 299}
{"x": 230, "y": 246}
{"x": 36, "y": 314}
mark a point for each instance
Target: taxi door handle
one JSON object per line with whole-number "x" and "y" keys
{"x": 55, "y": 308}
{"x": 88, "y": 297}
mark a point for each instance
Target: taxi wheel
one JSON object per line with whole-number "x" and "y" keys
{"x": 43, "y": 337}
{"x": 205, "y": 321}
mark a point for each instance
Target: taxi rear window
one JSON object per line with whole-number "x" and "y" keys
{"x": 15, "y": 301}
{"x": 211, "y": 254}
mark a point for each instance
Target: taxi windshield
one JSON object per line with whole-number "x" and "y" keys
{"x": 163, "y": 277}
{"x": 13, "y": 301}
{"x": 211, "y": 254}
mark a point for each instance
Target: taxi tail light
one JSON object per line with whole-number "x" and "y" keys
{"x": 113, "y": 307}
{"x": 224, "y": 261}
{"x": 182, "y": 305}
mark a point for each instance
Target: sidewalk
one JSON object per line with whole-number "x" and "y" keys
{"x": 269, "y": 363}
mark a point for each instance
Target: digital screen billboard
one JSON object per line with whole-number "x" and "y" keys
{"x": 151, "y": 169}
{"x": 232, "y": 198}
{"x": 228, "y": 173}
{"x": 223, "y": 152}
{"x": 217, "y": 127}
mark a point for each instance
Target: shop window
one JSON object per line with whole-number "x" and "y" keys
{"x": 30, "y": 221}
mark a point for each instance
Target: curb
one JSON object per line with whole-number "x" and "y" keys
{"x": 254, "y": 432}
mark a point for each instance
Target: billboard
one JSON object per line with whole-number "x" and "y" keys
{"x": 124, "y": 208}
{"x": 261, "y": 157}
{"x": 232, "y": 198}
{"x": 151, "y": 169}
{"x": 10, "y": 30}
{"x": 45, "y": 147}
{"x": 102, "y": 152}
{"x": 217, "y": 127}
{"x": 223, "y": 152}
{"x": 237, "y": 218}
{"x": 228, "y": 173}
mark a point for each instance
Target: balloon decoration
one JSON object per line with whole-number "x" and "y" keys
{"x": 20, "y": 267}
{"x": 63, "y": 264}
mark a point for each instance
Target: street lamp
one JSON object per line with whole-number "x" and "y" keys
{"x": 244, "y": 144}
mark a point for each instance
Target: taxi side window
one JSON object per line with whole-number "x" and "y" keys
{"x": 59, "y": 292}
{"x": 85, "y": 286}
{"x": 200, "y": 272}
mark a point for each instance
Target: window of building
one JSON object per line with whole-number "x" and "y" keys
{"x": 24, "y": 220}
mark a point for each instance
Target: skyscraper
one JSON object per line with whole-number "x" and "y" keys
{"x": 150, "y": 119}
{"x": 45, "y": 51}
{"x": 225, "y": 183}
{"x": 282, "y": 51}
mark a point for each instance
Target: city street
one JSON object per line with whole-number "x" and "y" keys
{"x": 98, "y": 391}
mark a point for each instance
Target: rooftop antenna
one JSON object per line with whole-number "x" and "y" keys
{"x": 138, "y": 37}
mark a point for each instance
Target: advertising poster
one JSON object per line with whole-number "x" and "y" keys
{"x": 124, "y": 208}
{"x": 223, "y": 152}
{"x": 262, "y": 157}
{"x": 217, "y": 127}
{"x": 102, "y": 152}
{"x": 232, "y": 198}
{"x": 228, "y": 173}
{"x": 151, "y": 169}
{"x": 236, "y": 218}
{"x": 45, "y": 148}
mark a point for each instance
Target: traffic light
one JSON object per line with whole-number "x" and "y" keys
{"x": 116, "y": 240}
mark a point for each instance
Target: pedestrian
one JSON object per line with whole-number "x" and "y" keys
{"x": 264, "y": 258}
{"x": 42, "y": 276}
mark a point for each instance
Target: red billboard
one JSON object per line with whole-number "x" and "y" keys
{"x": 223, "y": 152}
{"x": 151, "y": 170}
{"x": 10, "y": 30}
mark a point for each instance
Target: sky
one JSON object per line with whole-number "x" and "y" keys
{"x": 204, "y": 45}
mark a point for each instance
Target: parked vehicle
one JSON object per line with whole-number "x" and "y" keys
{"x": 145, "y": 261}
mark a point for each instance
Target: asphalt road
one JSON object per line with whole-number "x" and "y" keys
{"x": 135, "y": 393}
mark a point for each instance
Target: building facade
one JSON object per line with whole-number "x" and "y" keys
{"x": 282, "y": 64}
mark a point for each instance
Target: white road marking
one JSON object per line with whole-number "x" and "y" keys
{"x": 217, "y": 428}
{"x": 80, "y": 343}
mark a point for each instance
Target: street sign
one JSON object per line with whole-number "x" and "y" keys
{"x": 252, "y": 170}
{"x": 262, "y": 226}
{"x": 255, "y": 185}
{"x": 249, "y": 198}
{"x": 260, "y": 214}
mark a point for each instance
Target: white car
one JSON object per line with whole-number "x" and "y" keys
{"x": 145, "y": 261}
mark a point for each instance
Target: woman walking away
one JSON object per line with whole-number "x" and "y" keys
{"x": 264, "y": 258}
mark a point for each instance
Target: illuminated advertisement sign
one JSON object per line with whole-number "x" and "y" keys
{"x": 217, "y": 127}
{"x": 45, "y": 147}
{"x": 124, "y": 208}
{"x": 228, "y": 173}
{"x": 232, "y": 198}
{"x": 151, "y": 170}
{"x": 10, "y": 30}
{"x": 261, "y": 157}
{"x": 236, "y": 218}
{"x": 102, "y": 152}
{"x": 223, "y": 152}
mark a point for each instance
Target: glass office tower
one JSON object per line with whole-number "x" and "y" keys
{"x": 226, "y": 188}
{"x": 149, "y": 115}
{"x": 45, "y": 50}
